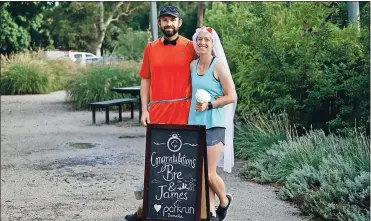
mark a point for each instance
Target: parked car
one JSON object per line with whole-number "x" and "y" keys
{"x": 78, "y": 56}
{"x": 101, "y": 60}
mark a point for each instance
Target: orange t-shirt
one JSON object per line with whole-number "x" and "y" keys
{"x": 167, "y": 66}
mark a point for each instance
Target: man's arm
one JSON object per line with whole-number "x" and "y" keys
{"x": 144, "y": 94}
{"x": 145, "y": 74}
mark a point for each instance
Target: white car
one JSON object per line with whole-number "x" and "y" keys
{"x": 79, "y": 56}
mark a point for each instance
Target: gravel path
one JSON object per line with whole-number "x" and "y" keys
{"x": 45, "y": 176}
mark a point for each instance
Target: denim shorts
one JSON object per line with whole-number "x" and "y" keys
{"x": 215, "y": 135}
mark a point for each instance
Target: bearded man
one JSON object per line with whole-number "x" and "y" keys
{"x": 165, "y": 77}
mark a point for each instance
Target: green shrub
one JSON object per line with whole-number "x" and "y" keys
{"x": 288, "y": 58}
{"x": 337, "y": 190}
{"x": 61, "y": 71}
{"x": 31, "y": 72}
{"x": 283, "y": 158}
{"x": 256, "y": 135}
{"x": 130, "y": 45}
{"x": 96, "y": 84}
{"x": 326, "y": 175}
{"x": 24, "y": 79}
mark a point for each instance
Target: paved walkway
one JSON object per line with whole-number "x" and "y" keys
{"x": 45, "y": 175}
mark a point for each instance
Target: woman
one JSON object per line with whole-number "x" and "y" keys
{"x": 210, "y": 73}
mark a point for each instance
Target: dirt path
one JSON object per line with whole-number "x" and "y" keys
{"x": 44, "y": 176}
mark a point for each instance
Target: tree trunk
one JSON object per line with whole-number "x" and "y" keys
{"x": 101, "y": 31}
{"x": 200, "y": 14}
{"x": 353, "y": 13}
{"x": 103, "y": 25}
{"x": 98, "y": 49}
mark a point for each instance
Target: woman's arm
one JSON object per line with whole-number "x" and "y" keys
{"x": 226, "y": 81}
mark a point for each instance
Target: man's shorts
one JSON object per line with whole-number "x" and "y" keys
{"x": 215, "y": 135}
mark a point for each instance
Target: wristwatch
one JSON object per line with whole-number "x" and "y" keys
{"x": 209, "y": 105}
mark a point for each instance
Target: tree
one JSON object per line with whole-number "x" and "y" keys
{"x": 71, "y": 25}
{"x": 108, "y": 15}
{"x": 21, "y": 24}
{"x": 12, "y": 37}
{"x": 89, "y": 26}
{"x": 200, "y": 14}
{"x": 298, "y": 60}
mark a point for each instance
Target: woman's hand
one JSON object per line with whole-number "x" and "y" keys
{"x": 201, "y": 107}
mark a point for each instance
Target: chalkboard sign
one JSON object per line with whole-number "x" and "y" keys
{"x": 173, "y": 172}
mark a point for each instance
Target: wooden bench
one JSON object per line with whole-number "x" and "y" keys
{"x": 108, "y": 104}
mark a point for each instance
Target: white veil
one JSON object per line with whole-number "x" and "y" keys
{"x": 226, "y": 160}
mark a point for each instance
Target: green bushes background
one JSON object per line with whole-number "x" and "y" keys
{"x": 302, "y": 78}
{"x": 288, "y": 58}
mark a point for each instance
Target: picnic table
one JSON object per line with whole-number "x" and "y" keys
{"x": 133, "y": 90}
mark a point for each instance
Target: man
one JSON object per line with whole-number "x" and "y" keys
{"x": 166, "y": 80}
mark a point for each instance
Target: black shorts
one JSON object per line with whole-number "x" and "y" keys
{"x": 215, "y": 135}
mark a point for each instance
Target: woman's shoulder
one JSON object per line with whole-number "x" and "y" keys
{"x": 219, "y": 64}
{"x": 193, "y": 62}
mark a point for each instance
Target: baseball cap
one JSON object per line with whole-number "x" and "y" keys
{"x": 169, "y": 10}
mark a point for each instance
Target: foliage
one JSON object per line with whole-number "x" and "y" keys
{"x": 281, "y": 159}
{"x": 289, "y": 59}
{"x": 71, "y": 25}
{"x": 17, "y": 27}
{"x": 337, "y": 190}
{"x": 21, "y": 79}
{"x": 130, "y": 45}
{"x": 30, "y": 72}
{"x": 96, "y": 84}
{"x": 326, "y": 175}
{"x": 76, "y": 25}
{"x": 258, "y": 133}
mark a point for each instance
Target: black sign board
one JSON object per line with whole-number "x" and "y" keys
{"x": 173, "y": 172}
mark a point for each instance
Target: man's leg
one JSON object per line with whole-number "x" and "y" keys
{"x": 137, "y": 216}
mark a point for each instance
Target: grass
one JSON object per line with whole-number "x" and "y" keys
{"x": 31, "y": 73}
{"x": 95, "y": 84}
{"x": 258, "y": 133}
{"x": 326, "y": 175}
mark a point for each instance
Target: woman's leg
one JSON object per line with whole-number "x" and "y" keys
{"x": 212, "y": 201}
{"x": 215, "y": 181}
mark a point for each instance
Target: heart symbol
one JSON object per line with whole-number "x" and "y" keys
{"x": 157, "y": 207}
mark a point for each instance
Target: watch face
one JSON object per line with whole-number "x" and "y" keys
{"x": 210, "y": 106}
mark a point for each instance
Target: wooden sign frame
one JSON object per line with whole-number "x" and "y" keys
{"x": 201, "y": 169}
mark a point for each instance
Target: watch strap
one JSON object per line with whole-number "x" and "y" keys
{"x": 209, "y": 105}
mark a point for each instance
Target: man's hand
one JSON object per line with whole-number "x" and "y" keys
{"x": 145, "y": 118}
{"x": 201, "y": 107}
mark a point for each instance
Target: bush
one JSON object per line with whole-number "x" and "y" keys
{"x": 130, "y": 45}
{"x": 32, "y": 73}
{"x": 96, "y": 84}
{"x": 256, "y": 135}
{"x": 61, "y": 71}
{"x": 21, "y": 79}
{"x": 326, "y": 175}
{"x": 289, "y": 58}
{"x": 337, "y": 190}
{"x": 281, "y": 159}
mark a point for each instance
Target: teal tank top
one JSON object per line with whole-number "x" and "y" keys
{"x": 210, "y": 118}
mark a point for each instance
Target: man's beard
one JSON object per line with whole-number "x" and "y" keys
{"x": 170, "y": 34}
